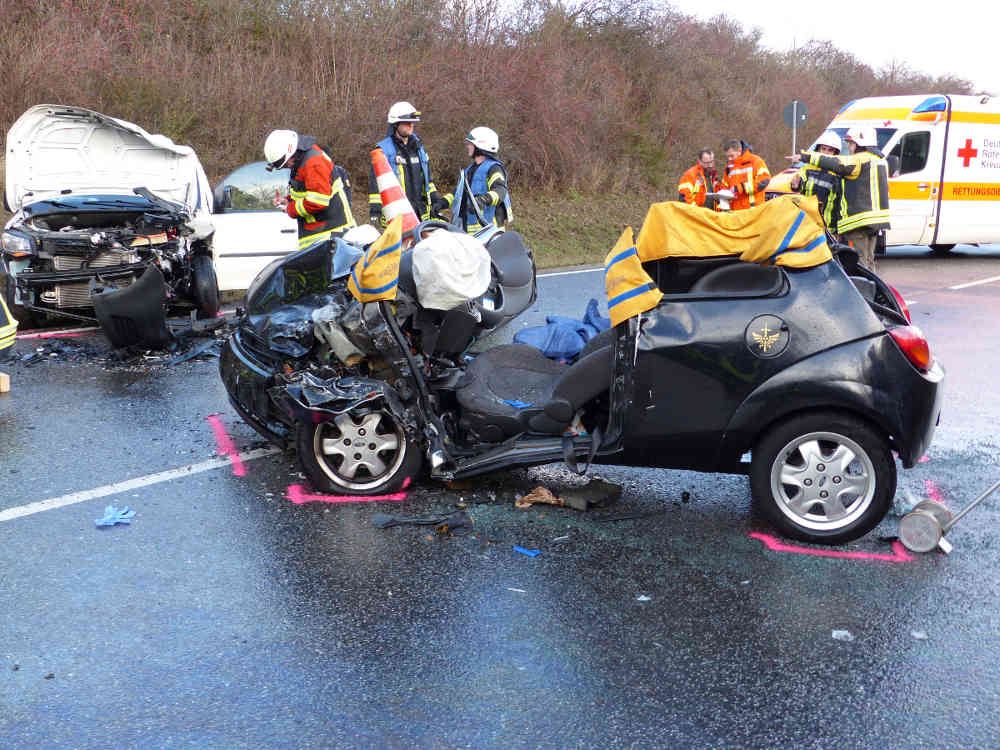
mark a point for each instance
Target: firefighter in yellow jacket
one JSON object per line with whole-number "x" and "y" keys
{"x": 700, "y": 180}
{"x": 864, "y": 207}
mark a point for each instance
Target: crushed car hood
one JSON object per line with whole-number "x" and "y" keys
{"x": 52, "y": 149}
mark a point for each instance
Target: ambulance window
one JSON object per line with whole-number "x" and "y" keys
{"x": 913, "y": 148}
{"x": 883, "y": 136}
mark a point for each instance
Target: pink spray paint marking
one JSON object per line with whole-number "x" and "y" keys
{"x": 923, "y": 459}
{"x": 933, "y": 492}
{"x": 226, "y": 446}
{"x": 899, "y": 554}
{"x": 56, "y": 334}
{"x": 298, "y": 495}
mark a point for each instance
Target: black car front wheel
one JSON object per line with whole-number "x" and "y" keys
{"x": 204, "y": 286}
{"x": 26, "y": 318}
{"x": 357, "y": 453}
{"x": 824, "y": 478}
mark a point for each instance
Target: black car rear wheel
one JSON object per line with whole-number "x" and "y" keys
{"x": 357, "y": 453}
{"x": 204, "y": 286}
{"x": 825, "y": 478}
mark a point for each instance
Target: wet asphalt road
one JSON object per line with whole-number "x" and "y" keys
{"x": 227, "y": 616}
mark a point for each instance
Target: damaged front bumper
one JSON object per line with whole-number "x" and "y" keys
{"x": 135, "y": 315}
{"x": 272, "y": 402}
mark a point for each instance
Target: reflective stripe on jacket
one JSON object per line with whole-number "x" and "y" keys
{"x": 695, "y": 184}
{"x": 828, "y": 189}
{"x": 490, "y": 179}
{"x": 317, "y": 199}
{"x": 420, "y": 196}
{"x": 865, "y": 201}
{"x": 747, "y": 176}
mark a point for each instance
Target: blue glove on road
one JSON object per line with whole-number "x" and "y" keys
{"x": 112, "y": 516}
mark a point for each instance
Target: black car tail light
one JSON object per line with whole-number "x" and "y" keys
{"x": 912, "y": 343}
{"x": 901, "y": 302}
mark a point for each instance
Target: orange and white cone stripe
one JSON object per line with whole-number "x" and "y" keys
{"x": 394, "y": 201}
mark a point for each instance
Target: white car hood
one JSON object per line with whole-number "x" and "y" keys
{"x": 52, "y": 149}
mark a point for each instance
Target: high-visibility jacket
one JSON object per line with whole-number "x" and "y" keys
{"x": 316, "y": 192}
{"x": 747, "y": 176}
{"x": 865, "y": 201}
{"x": 695, "y": 183}
{"x": 412, "y": 168}
{"x": 828, "y": 189}
{"x": 488, "y": 187}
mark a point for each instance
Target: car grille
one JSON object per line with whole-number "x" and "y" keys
{"x": 78, "y": 295}
{"x": 101, "y": 260}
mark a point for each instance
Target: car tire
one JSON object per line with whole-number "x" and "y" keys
{"x": 204, "y": 286}
{"x": 25, "y": 318}
{"x": 835, "y": 453}
{"x": 362, "y": 452}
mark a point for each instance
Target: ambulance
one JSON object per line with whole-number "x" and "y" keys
{"x": 944, "y": 165}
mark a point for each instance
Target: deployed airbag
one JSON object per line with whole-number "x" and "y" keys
{"x": 450, "y": 268}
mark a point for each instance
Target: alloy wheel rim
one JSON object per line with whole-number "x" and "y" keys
{"x": 359, "y": 451}
{"x": 823, "y": 481}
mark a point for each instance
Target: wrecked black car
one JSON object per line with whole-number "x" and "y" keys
{"x": 100, "y": 204}
{"x": 739, "y": 344}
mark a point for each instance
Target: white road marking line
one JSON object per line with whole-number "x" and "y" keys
{"x": 130, "y": 484}
{"x": 976, "y": 283}
{"x": 569, "y": 273}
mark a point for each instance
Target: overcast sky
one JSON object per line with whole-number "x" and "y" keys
{"x": 955, "y": 37}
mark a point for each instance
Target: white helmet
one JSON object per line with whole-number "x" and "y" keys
{"x": 829, "y": 138}
{"x": 279, "y": 147}
{"x": 484, "y": 139}
{"x": 403, "y": 112}
{"x": 862, "y": 136}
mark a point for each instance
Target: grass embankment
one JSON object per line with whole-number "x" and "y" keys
{"x": 576, "y": 229}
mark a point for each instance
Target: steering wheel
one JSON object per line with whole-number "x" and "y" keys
{"x": 426, "y": 226}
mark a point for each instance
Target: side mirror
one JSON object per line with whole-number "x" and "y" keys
{"x": 893, "y": 162}
{"x": 222, "y": 199}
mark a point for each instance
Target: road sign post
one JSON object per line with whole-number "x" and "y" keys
{"x": 795, "y": 114}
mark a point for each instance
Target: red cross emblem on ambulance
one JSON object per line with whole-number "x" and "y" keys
{"x": 967, "y": 153}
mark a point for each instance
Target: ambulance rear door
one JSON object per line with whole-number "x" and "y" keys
{"x": 970, "y": 209}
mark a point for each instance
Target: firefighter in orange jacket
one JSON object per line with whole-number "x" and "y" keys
{"x": 317, "y": 193}
{"x": 746, "y": 175}
{"x": 700, "y": 180}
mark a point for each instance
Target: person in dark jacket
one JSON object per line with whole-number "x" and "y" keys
{"x": 484, "y": 186}
{"x": 826, "y": 186}
{"x": 317, "y": 196}
{"x": 407, "y": 158}
{"x": 864, "y": 207}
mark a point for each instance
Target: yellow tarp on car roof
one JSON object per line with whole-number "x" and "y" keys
{"x": 8, "y": 326}
{"x": 785, "y": 231}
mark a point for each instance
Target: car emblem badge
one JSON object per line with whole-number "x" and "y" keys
{"x": 767, "y": 336}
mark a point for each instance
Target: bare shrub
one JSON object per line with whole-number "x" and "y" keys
{"x": 592, "y": 96}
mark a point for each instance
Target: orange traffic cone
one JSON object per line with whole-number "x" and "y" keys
{"x": 394, "y": 202}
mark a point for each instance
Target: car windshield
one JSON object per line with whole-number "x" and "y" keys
{"x": 253, "y": 188}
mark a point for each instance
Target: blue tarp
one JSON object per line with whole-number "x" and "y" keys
{"x": 563, "y": 338}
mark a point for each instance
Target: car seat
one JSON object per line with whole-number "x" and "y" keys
{"x": 514, "y": 388}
